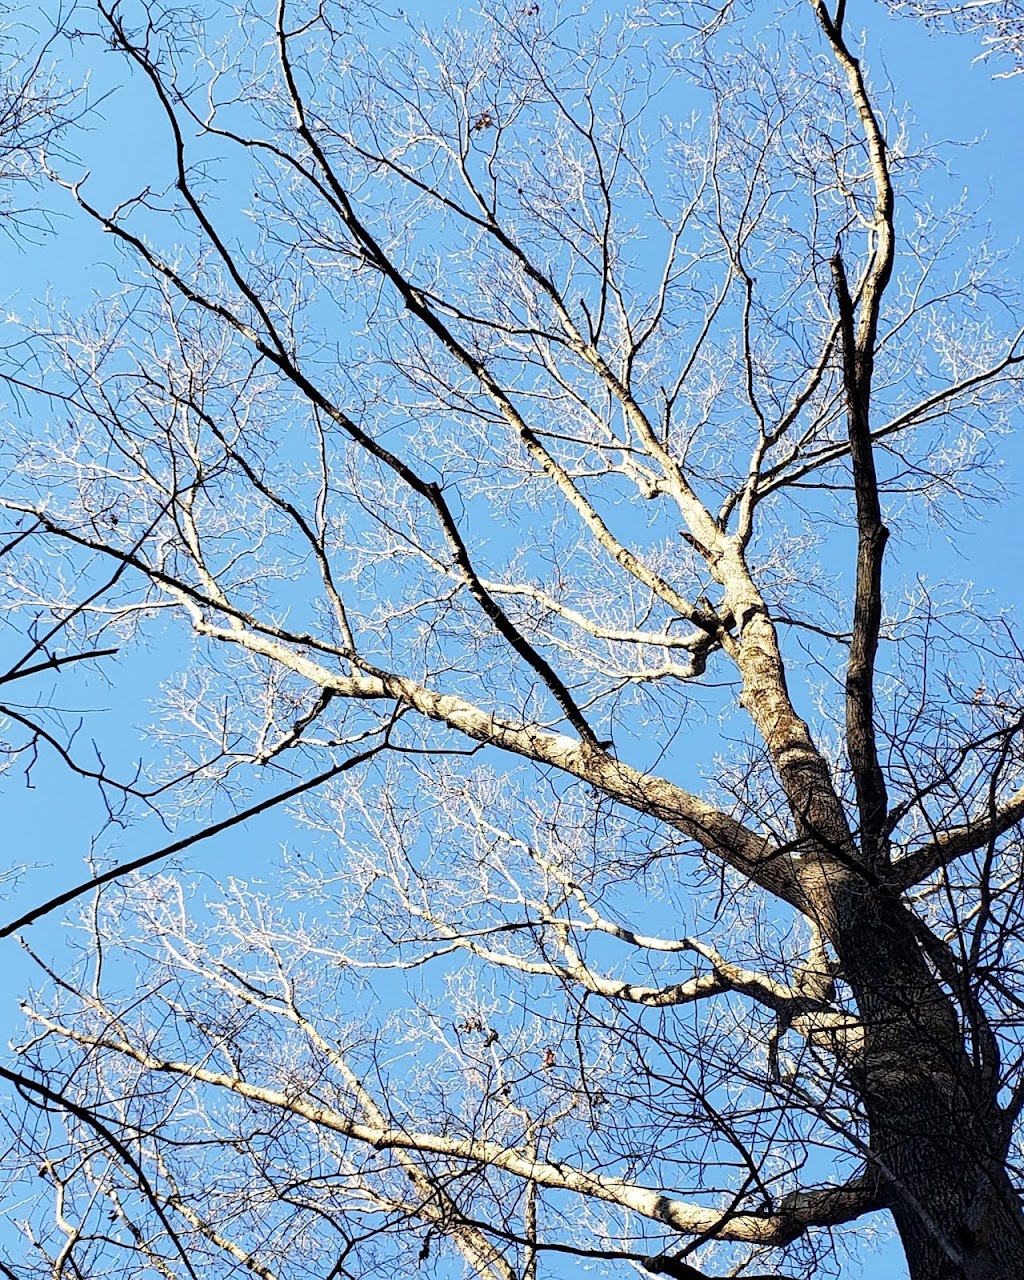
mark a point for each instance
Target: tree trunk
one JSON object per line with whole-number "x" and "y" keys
{"x": 937, "y": 1135}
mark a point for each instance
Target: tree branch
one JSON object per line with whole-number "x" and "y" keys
{"x": 797, "y": 1211}
{"x": 955, "y": 842}
{"x": 872, "y": 797}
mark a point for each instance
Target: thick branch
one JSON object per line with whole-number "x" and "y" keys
{"x": 750, "y": 854}
{"x": 859, "y": 329}
{"x": 742, "y": 849}
{"x": 797, "y": 1212}
{"x": 872, "y": 797}
{"x": 957, "y": 841}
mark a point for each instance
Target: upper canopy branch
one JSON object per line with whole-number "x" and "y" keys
{"x": 859, "y": 328}
{"x": 872, "y": 796}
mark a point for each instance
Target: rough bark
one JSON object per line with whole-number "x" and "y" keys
{"x": 937, "y": 1135}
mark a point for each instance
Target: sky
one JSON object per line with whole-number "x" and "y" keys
{"x": 50, "y": 819}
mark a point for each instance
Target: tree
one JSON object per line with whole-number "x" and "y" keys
{"x": 520, "y": 441}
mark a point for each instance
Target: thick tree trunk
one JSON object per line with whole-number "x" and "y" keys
{"x": 937, "y": 1135}
{"x": 929, "y": 1087}
{"x": 956, "y": 1212}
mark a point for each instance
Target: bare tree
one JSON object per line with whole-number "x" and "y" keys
{"x": 522, "y": 466}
